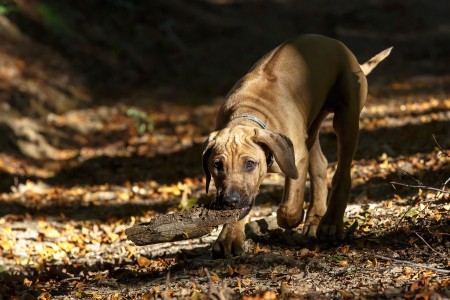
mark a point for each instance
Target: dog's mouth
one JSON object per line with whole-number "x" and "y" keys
{"x": 219, "y": 205}
{"x": 242, "y": 212}
{"x": 224, "y": 201}
{"x": 245, "y": 211}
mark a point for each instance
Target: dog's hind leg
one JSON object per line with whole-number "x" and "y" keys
{"x": 353, "y": 91}
{"x": 318, "y": 176}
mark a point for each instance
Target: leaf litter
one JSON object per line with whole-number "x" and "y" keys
{"x": 63, "y": 228}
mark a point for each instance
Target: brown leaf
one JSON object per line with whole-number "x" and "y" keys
{"x": 230, "y": 270}
{"x": 242, "y": 269}
{"x": 214, "y": 276}
{"x": 344, "y": 249}
{"x": 144, "y": 261}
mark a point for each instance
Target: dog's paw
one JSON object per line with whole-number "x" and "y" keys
{"x": 289, "y": 218}
{"x": 229, "y": 243}
{"x": 330, "y": 229}
{"x": 227, "y": 248}
{"x": 311, "y": 225}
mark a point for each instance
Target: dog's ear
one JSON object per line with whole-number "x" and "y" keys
{"x": 282, "y": 149}
{"x": 207, "y": 147}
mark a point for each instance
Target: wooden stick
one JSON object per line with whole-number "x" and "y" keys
{"x": 409, "y": 263}
{"x": 429, "y": 246}
{"x": 421, "y": 187}
{"x": 195, "y": 222}
{"x": 440, "y": 147}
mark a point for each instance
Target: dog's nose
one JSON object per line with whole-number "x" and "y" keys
{"x": 232, "y": 199}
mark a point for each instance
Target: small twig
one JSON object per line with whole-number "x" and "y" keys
{"x": 445, "y": 183}
{"x": 429, "y": 246}
{"x": 213, "y": 291}
{"x": 208, "y": 276}
{"x": 70, "y": 279}
{"x": 443, "y": 151}
{"x": 166, "y": 293}
{"x": 422, "y": 186}
{"x": 421, "y": 251}
{"x": 412, "y": 177}
{"x": 168, "y": 280}
{"x": 409, "y": 263}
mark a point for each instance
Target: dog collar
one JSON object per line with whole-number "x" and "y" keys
{"x": 254, "y": 119}
{"x": 270, "y": 158}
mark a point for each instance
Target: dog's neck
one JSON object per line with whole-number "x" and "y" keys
{"x": 252, "y": 118}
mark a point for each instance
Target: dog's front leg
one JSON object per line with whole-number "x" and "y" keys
{"x": 318, "y": 178}
{"x": 231, "y": 240}
{"x": 290, "y": 212}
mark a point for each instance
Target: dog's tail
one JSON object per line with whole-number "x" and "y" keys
{"x": 369, "y": 65}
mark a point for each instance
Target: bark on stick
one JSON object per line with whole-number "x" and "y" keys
{"x": 195, "y": 222}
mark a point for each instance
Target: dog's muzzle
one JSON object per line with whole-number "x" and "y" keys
{"x": 231, "y": 200}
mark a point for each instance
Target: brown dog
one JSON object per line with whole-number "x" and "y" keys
{"x": 274, "y": 113}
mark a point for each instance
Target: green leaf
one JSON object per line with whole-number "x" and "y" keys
{"x": 337, "y": 257}
{"x": 411, "y": 213}
{"x": 4, "y": 10}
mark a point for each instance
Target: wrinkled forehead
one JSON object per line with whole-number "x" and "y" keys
{"x": 237, "y": 140}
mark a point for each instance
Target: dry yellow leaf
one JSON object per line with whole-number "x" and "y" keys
{"x": 257, "y": 249}
{"x": 246, "y": 281}
{"x": 27, "y": 282}
{"x": 214, "y": 276}
{"x": 44, "y": 296}
{"x": 115, "y": 296}
{"x": 343, "y": 263}
{"x": 66, "y": 246}
{"x": 345, "y": 249}
{"x": 143, "y": 261}
{"x": 268, "y": 295}
{"x": 445, "y": 283}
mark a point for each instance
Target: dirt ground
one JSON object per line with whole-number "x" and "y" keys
{"x": 102, "y": 124}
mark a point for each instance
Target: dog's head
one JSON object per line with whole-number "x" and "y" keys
{"x": 238, "y": 159}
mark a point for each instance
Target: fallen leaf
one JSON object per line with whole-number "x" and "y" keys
{"x": 144, "y": 261}
{"x": 214, "y": 276}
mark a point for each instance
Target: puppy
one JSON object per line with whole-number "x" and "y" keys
{"x": 270, "y": 122}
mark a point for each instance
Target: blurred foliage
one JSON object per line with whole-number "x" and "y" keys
{"x": 7, "y": 7}
{"x": 52, "y": 19}
{"x": 141, "y": 119}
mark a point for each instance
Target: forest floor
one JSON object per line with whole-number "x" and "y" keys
{"x": 102, "y": 124}
{"x": 63, "y": 229}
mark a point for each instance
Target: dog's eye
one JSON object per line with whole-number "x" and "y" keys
{"x": 249, "y": 165}
{"x": 218, "y": 166}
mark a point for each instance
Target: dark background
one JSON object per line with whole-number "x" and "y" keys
{"x": 193, "y": 51}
